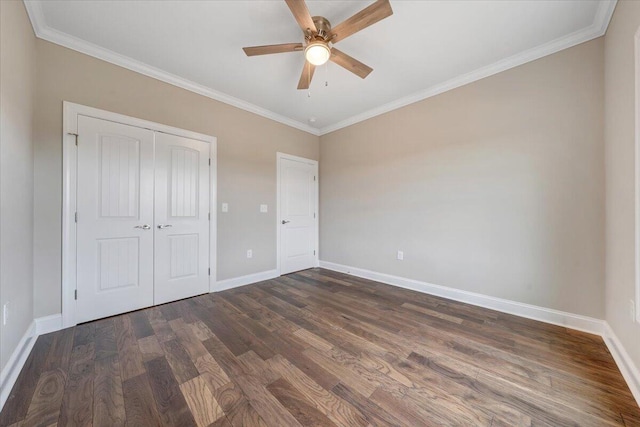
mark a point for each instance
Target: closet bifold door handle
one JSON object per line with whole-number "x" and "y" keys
{"x": 161, "y": 226}
{"x": 144, "y": 227}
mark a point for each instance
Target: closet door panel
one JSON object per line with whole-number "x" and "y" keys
{"x": 182, "y": 218}
{"x": 115, "y": 218}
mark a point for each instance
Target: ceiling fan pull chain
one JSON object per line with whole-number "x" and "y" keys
{"x": 309, "y": 80}
{"x": 326, "y": 74}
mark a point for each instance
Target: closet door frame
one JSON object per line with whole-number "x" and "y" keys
{"x": 71, "y": 112}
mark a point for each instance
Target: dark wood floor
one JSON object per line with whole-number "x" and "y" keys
{"x": 319, "y": 348}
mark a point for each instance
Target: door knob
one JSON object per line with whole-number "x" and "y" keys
{"x": 144, "y": 227}
{"x": 161, "y": 226}
{"x": 285, "y": 222}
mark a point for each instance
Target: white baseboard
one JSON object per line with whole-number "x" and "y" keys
{"x": 17, "y": 360}
{"x": 548, "y": 315}
{"x": 235, "y": 282}
{"x": 47, "y": 324}
{"x": 628, "y": 369}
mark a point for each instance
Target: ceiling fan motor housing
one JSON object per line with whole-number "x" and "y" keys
{"x": 323, "y": 27}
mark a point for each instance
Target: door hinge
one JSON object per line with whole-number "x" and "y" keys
{"x": 209, "y": 272}
{"x": 209, "y": 162}
{"x": 209, "y": 216}
{"x": 314, "y": 177}
{"x": 314, "y": 252}
{"x": 75, "y": 294}
{"x": 314, "y": 214}
{"x": 75, "y": 217}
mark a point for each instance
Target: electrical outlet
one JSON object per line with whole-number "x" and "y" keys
{"x": 225, "y": 207}
{"x": 249, "y": 253}
{"x": 5, "y": 313}
{"x": 263, "y": 208}
{"x": 400, "y": 256}
{"x": 632, "y": 310}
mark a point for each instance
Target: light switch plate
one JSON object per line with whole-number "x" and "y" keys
{"x": 263, "y": 208}
{"x": 400, "y": 256}
{"x": 225, "y": 207}
{"x": 249, "y": 253}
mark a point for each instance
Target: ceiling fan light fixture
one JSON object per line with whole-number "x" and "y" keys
{"x": 317, "y": 53}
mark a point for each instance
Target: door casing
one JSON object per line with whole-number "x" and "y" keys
{"x": 71, "y": 111}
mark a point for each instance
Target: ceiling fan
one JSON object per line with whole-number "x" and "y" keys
{"x": 319, "y": 39}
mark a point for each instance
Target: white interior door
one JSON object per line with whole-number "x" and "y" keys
{"x": 181, "y": 218}
{"x": 298, "y": 226}
{"x": 115, "y": 218}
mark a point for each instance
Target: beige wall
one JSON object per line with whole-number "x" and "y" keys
{"x": 17, "y": 85}
{"x": 619, "y": 155}
{"x": 496, "y": 187}
{"x": 247, "y": 146}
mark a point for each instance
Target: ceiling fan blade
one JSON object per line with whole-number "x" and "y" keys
{"x": 349, "y": 63}
{"x": 368, "y": 16}
{"x": 301, "y": 14}
{"x": 307, "y": 75}
{"x": 272, "y": 48}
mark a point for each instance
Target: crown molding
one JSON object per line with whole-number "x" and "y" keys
{"x": 597, "y": 29}
{"x": 44, "y": 32}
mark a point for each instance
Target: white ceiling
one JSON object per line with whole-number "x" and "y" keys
{"x": 424, "y": 48}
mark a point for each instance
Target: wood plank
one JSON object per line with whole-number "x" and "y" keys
{"x": 84, "y": 334}
{"x": 211, "y": 372}
{"x": 47, "y": 399}
{"x": 374, "y": 414}
{"x": 191, "y": 343}
{"x": 140, "y": 405}
{"x": 347, "y": 369}
{"x": 264, "y": 402}
{"x": 339, "y": 411}
{"x": 224, "y": 357}
{"x": 141, "y": 325}
{"x": 433, "y": 313}
{"x": 171, "y": 404}
{"x": 201, "y": 330}
{"x": 128, "y": 351}
{"x": 245, "y": 334}
{"x": 253, "y": 365}
{"x": 17, "y": 404}
{"x": 105, "y": 339}
{"x": 159, "y": 324}
{"x": 314, "y": 340}
{"x": 237, "y": 408}
{"x": 222, "y": 331}
{"x": 108, "y": 403}
{"x": 180, "y": 362}
{"x": 409, "y": 413}
{"x": 304, "y": 411}
{"x": 60, "y": 352}
{"x": 223, "y": 422}
{"x": 77, "y": 403}
{"x": 150, "y": 348}
{"x": 203, "y": 405}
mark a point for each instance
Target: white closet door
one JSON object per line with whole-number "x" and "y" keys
{"x": 298, "y": 226}
{"x": 115, "y": 218}
{"x": 181, "y": 218}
